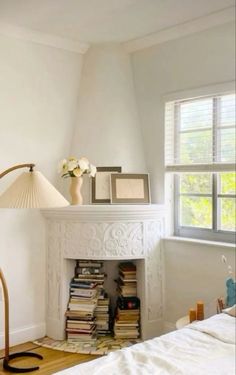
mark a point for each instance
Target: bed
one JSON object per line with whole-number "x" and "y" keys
{"x": 201, "y": 348}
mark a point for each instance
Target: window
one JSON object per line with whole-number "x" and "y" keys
{"x": 200, "y": 151}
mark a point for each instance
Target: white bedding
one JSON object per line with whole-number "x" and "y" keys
{"x": 202, "y": 348}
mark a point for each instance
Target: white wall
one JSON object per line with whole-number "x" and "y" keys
{"x": 200, "y": 59}
{"x": 194, "y": 272}
{"x": 108, "y": 129}
{"x": 38, "y": 107}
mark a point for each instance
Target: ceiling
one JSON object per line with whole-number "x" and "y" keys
{"x": 97, "y": 21}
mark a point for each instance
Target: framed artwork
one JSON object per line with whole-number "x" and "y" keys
{"x": 101, "y": 189}
{"x": 130, "y": 188}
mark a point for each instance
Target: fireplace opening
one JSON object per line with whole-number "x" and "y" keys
{"x": 105, "y": 297}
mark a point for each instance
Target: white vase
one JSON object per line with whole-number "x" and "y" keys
{"x": 75, "y": 190}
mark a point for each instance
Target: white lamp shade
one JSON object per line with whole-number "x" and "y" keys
{"x": 32, "y": 190}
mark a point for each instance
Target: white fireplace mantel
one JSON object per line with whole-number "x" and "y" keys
{"x": 105, "y": 232}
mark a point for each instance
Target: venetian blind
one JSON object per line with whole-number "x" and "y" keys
{"x": 200, "y": 134}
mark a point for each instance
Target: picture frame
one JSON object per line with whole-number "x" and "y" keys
{"x": 130, "y": 188}
{"x": 101, "y": 185}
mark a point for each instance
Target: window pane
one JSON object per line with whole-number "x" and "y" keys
{"x": 196, "y": 114}
{"x": 227, "y": 214}
{"x": 227, "y": 145}
{"x": 196, "y": 183}
{"x": 196, "y": 147}
{"x": 227, "y": 112}
{"x": 228, "y": 183}
{"x": 196, "y": 212}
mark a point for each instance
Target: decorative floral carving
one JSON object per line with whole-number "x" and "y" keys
{"x": 103, "y": 239}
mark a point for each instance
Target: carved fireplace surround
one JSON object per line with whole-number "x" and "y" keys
{"x": 105, "y": 232}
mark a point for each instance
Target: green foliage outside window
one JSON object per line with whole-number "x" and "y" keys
{"x": 196, "y": 211}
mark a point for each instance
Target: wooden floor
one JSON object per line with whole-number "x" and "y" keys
{"x": 53, "y": 360}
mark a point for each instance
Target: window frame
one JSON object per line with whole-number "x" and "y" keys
{"x": 214, "y": 233}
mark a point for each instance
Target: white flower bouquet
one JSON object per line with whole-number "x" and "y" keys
{"x": 74, "y": 167}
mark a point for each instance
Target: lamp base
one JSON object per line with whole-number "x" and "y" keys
{"x": 10, "y": 368}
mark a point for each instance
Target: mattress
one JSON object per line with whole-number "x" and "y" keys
{"x": 201, "y": 348}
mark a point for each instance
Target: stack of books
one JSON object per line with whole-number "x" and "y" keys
{"x": 127, "y": 317}
{"x": 80, "y": 328}
{"x": 102, "y": 315}
{"x": 92, "y": 270}
{"x": 80, "y": 324}
{"x": 127, "y": 282}
{"x": 88, "y": 308}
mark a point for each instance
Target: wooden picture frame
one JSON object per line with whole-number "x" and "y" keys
{"x": 101, "y": 185}
{"x": 130, "y": 188}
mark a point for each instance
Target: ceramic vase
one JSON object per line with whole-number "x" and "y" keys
{"x": 75, "y": 190}
{"x": 231, "y": 292}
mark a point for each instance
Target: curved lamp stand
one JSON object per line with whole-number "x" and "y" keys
{"x": 18, "y": 370}
{"x": 9, "y": 357}
{"x": 30, "y": 190}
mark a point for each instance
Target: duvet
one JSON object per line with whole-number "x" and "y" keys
{"x": 202, "y": 348}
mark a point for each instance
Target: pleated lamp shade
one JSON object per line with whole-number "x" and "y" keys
{"x": 32, "y": 190}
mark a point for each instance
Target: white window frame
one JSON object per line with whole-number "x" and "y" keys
{"x": 212, "y": 234}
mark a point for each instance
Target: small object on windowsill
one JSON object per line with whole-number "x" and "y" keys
{"x": 220, "y": 305}
{"x": 200, "y": 310}
{"x": 230, "y": 283}
{"x": 192, "y": 315}
{"x": 231, "y": 292}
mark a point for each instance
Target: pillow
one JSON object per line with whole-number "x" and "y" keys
{"x": 230, "y": 311}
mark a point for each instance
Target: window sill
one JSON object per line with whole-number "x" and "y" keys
{"x": 200, "y": 242}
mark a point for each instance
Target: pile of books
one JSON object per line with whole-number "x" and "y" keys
{"x": 127, "y": 318}
{"x": 80, "y": 324}
{"x": 102, "y": 314}
{"x": 127, "y": 282}
{"x": 92, "y": 270}
{"x": 88, "y": 303}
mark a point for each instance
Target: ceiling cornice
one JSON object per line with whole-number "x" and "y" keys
{"x": 199, "y": 24}
{"x": 43, "y": 38}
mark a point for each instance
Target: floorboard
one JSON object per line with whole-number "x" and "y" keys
{"x": 53, "y": 360}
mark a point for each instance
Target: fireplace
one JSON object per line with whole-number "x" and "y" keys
{"x": 109, "y": 233}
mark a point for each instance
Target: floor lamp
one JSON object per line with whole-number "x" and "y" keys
{"x": 30, "y": 190}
